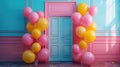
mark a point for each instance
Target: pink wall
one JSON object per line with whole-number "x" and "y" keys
{"x": 11, "y": 48}
{"x": 105, "y": 48}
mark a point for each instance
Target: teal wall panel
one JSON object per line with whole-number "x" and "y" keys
{"x": 12, "y": 21}
{"x": 83, "y": 1}
{"x": 11, "y": 18}
{"x": 38, "y": 5}
{"x": 108, "y": 17}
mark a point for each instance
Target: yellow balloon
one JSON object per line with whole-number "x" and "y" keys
{"x": 42, "y": 24}
{"x": 29, "y": 27}
{"x": 82, "y": 8}
{"x": 80, "y": 30}
{"x": 82, "y": 44}
{"x": 36, "y": 33}
{"x": 89, "y": 36}
{"x": 28, "y": 56}
{"x": 92, "y": 27}
{"x": 36, "y": 47}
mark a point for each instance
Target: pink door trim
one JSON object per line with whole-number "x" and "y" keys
{"x": 60, "y": 8}
{"x": 53, "y": 9}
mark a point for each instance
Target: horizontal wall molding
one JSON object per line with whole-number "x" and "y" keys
{"x": 11, "y": 48}
{"x": 111, "y": 31}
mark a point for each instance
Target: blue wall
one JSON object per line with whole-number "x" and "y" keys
{"x": 12, "y": 21}
{"x": 108, "y": 16}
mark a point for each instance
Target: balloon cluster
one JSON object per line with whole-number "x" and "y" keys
{"x": 36, "y": 40}
{"x": 85, "y": 31}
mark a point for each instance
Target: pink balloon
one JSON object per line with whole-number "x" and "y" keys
{"x": 43, "y": 55}
{"x": 86, "y": 20}
{"x": 27, "y": 11}
{"x": 88, "y": 58}
{"x": 75, "y": 49}
{"x": 27, "y": 39}
{"x": 41, "y": 14}
{"x": 76, "y": 57}
{"x": 43, "y": 40}
{"x": 93, "y": 10}
{"x": 76, "y": 18}
{"x": 33, "y": 17}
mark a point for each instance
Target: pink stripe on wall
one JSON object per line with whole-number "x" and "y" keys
{"x": 11, "y": 48}
{"x": 105, "y": 48}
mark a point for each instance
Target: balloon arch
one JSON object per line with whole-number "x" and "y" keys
{"x": 37, "y": 41}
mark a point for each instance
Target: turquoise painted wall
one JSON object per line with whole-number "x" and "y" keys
{"x": 108, "y": 16}
{"x": 12, "y": 21}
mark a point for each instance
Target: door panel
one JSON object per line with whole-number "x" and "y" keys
{"x": 60, "y": 34}
{"x": 66, "y": 38}
{"x": 54, "y": 38}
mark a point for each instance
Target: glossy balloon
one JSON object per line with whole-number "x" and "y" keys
{"x": 42, "y": 24}
{"x": 82, "y": 44}
{"x": 36, "y": 47}
{"x": 86, "y": 20}
{"x": 43, "y": 55}
{"x": 80, "y": 30}
{"x": 75, "y": 49}
{"x": 93, "y": 10}
{"x": 29, "y": 27}
{"x": 28, "y": 56}
{"x": 33, "y": 17}
{"x": 43, "y": 40}
{"x": 88, "y": 58}
{"x": 36, "y": 33}
{"x": 41, "y": 14}
{"x": 27, "y": 11}
{"x": 92, "y": 27}
{"x": 82, "y": 8}
{"x": 89, "y": 36}
{"x": 27, "y": 39}
{"x": 76, "y": 18}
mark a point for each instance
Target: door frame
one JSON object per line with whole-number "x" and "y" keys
{"x": 59, "y": 9}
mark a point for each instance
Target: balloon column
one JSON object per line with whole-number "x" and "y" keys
{"x": 85, "y": 31}
{"x": 36, "y": 40}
